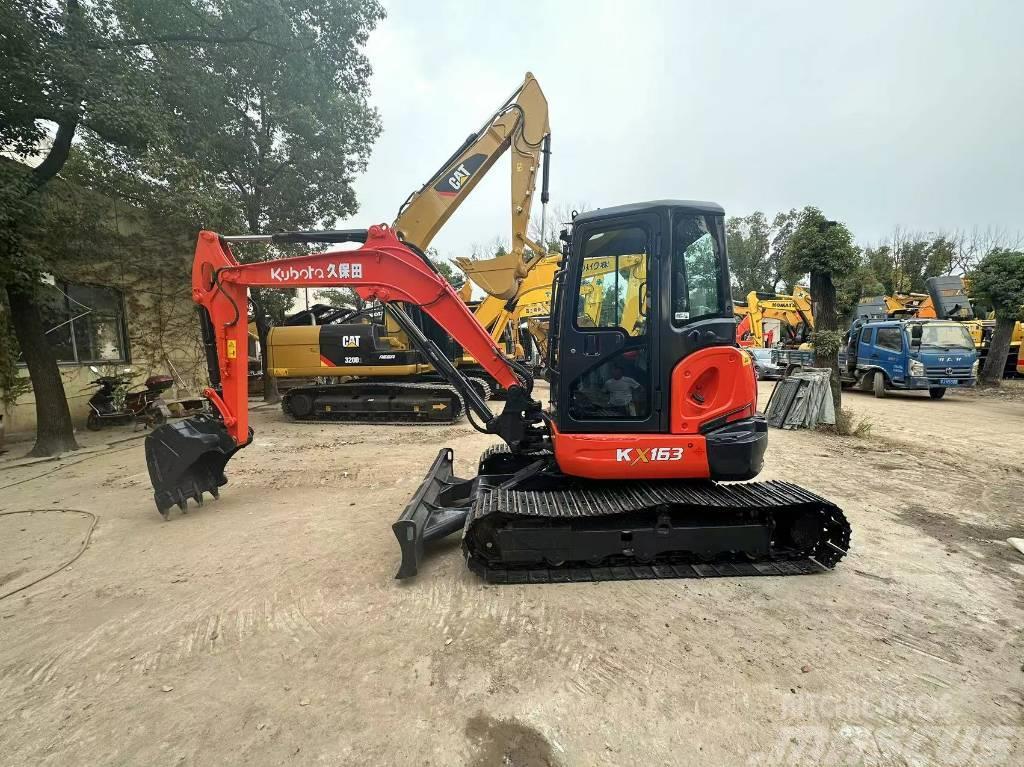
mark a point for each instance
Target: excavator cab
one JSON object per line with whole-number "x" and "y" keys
{"x": 662, "y": 277}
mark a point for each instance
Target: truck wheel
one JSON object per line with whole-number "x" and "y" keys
{"x": 93, "y": 422}
{"x": 879, "y": 384}
{"x": 937, "y": 393}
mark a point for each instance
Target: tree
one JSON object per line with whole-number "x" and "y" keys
{"x": 756, "y": 251}
{"x": 825, "y": 250}
{"x": 67, "y": 68}
{"x": 782, "y": 229}
{"x": 747, "y": 240}
{"x": 280, "y": 130}
{"x": 97, "y": 71}
{"x": 999, "y": 282}
{"x": 454, "y": 276}
{"x": 342, "y": 298}
{"x": 557, "y": 218}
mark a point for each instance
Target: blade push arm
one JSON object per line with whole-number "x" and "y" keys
{"x": 384, "y": 269}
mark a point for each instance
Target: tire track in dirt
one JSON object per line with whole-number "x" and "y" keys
{"x": 538, "y": 638}
{"x": 172, "y": 638}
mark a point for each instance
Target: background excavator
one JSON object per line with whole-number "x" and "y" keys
{"x": 388, "y": 379}
{"x": 793, "y": 313}
{"x": 617, "y": 479}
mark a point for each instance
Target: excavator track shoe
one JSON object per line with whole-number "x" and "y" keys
{"x": 186, "y": 459}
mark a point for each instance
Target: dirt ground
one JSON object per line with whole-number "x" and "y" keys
{"x": 267, "y": 628}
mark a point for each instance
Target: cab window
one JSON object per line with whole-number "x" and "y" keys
{"x": 613, "y": 281}
{"x": 696, "y": 287}
{"x": 890, "y": 339}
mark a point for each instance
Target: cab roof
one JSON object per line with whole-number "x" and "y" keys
{"x": 698, "y": 206}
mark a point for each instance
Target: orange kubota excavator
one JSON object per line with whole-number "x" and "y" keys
{"x": 618, "y": 479}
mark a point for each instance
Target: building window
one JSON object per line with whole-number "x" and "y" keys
{"x": 85, "y": 323}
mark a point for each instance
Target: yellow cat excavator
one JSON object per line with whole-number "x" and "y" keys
{"x": 389, "y": 379}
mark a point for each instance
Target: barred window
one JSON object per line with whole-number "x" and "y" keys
{"x": 85, "y": 323}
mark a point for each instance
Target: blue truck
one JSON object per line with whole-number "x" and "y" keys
{"x": 912, "y": 354}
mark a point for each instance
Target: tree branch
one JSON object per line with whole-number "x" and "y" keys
{"x": 58, "y": 154}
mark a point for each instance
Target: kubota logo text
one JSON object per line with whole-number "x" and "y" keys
{"x": 334, "y": 271}
{"x": 635, "y": 455}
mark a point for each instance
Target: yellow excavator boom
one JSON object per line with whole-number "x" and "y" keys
{"x": 794, "y": 310}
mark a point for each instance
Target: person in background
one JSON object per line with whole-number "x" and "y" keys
{"x": 620, "y": 390}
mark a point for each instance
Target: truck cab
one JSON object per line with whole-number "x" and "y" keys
{"x": 912, "y": 354}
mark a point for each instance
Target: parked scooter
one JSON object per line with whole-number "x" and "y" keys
{"x": 114, "y": 404}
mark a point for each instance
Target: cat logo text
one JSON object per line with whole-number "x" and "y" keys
{"x": 458, "y": 177}
{"x": 635, "y": 455}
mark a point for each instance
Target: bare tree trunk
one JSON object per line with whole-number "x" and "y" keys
{"x": 998, "y": 351}
{"x": 54, "y": 430}
{"x": 823, "y": 294}
{"x": 270, "y": 392}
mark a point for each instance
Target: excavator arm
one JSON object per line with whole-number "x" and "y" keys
{"x": 188, "y": 458}
{"x": 520, "y": 125}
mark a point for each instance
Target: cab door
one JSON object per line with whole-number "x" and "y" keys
{"x": 867, "y": 355}
{"x": 608, "y": 357}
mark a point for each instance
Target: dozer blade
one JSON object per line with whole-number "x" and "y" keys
{"x": 186, "y": 459}
{"x": 439, "y": 508}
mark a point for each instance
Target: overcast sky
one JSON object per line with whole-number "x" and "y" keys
{"x": 880, "y": 113}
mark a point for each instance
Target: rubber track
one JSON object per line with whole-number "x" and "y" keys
{"x": 607, "y": 498}
{"x": 363, "y": 386}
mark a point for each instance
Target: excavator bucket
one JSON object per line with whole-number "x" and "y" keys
{"x": 499, "y": 276}
{"x": 187, "y": 458}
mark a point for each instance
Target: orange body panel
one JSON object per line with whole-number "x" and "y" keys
{"x": 721, "y": 376}
{"x": 710, "y": 384}
{"x": 631, "y": 456}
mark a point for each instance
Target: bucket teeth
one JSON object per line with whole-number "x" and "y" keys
{"x": 186, "y": 459}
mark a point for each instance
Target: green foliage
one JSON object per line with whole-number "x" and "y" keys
{"x": 818, "y": 245}
{"x": 999, "y": 282}
{"x": 454, "y": 276}
{"x": 904, "y": 265}
{"x": 756, "y": 251}
{"x": 827, "y": 342}
{"x": 343, "y": 298}
{"x": 12, "y": 385}
{"x": 747, "y": 240}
